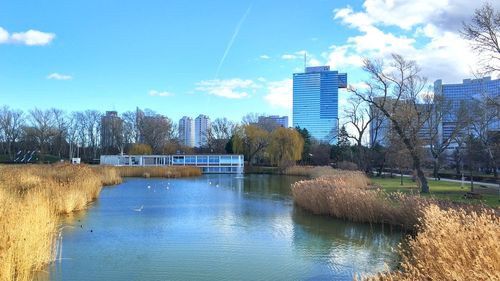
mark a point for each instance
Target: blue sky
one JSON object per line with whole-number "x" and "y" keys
{"x": 220, "y": 58}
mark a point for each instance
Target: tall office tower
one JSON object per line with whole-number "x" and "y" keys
{"x": 111, "y": 132}
{"x": 315, "y": 101}
{"x": 462, "y": 94}
{"x": 201, "y": 127}
{"x": 186, "y": 131}
{"x": 280, "y": 121}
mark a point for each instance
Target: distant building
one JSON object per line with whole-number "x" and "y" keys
{"x": 111, "y": 132}
{"x": 187, "y": 131}
{"x": 201, "y": 127}
{"x": 458, "y": 94}
{"x": 315, "y": 101}
{"x": 280, "y": 121}
{"x": 380, "y": 127}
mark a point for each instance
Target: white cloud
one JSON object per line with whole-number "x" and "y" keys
{"x": 155, "y": 93}
{"x": 265, "y": 57}
{"x": 231, "y": 88}
{"x": 58, "y": 76}
{"x": 32, "y": 38}
{"x": 4, "y": 36}
{"x": 288, "y": 57}
{"x": 425, "y": 31}
{"x": 280, "y": 93}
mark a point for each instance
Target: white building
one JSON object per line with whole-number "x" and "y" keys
{"x": 201, "y": 125}
{"x": 186, "y": 131}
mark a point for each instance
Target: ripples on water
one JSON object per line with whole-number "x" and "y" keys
{"x": 214, "y": 227}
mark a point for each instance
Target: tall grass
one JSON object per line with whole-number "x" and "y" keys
{"x": 109, "y": 174}
{"x": 451, "y": 245}
{"x": 347, "y": 195}
{"x": 451, "y": 242}
{"x": 158, "y": 171}
{"x": 31, "y": 200}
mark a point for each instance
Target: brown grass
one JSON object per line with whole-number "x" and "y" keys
{"x": 346, "y": 195}
{"x": 451, "y": 242}
{"x": 109, "y": 174}
{"x": 31, "y": 200}
{"x": 451, "y": 245}
{"x": 159, "y": 171}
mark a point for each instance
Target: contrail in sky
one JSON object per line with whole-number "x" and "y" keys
{"x": 230, "y": 44}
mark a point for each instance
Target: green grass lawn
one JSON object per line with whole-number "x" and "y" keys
{"x": 441, "y": 190}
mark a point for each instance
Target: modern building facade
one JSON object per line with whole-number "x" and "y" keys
{"x": 315, "y": 101}
{"x": 461, "y": 94}
{"x": 201, "y": 126}
{"x": 111, "y": 132}
{"x": 209, "y": 164}
{"x": 280, "y": 121}
{"x": 187, "y": 131}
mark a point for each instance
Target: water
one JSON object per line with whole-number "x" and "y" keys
{"x": 214, "y": 227}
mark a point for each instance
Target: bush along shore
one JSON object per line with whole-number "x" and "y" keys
{"x": 447, "y": 241}
{"x": 32, "y": 199}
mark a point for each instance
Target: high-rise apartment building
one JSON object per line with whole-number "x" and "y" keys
{"x": 315, "y": 101}
{"x": 201, "y": 127}
{"x": 186, "y": 131}
{"x": 111, "y": 132}
{"x": 280, "y": 121}
{"x": 461, "y": 94}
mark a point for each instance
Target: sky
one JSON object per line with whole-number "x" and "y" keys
{"x": 219, "y": 58}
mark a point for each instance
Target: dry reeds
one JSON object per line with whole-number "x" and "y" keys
{"x": 346, "y": 195}
{"x": 158, "y": 171}
{"x": 109, "y": 174}
{"x": 451, "y": 245}
{"x": 31, "y": 199}
{"x": 452, "y": 241}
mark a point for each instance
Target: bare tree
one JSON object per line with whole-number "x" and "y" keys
{"x": 398, "y": 91}
{"x": 483, "y": 118}
{"x": 438, "y": 142}
{"x": 484, "y": 31}
{"x": 93, "y": 130}
{"x": 219, "y": 134}
{"x": 43, "y": 124}
{"x": 157, "y": 131}
{"x": 129, "y": 127}
{"x": 358, "y": 117}
{"x": 61, "y": 130}
{"x": 11, "y": 122}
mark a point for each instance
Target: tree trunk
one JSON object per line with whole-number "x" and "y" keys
{"x": 401, "y": 175}
{"x": 435, "y": 169}
{"x": 424, "y": 186}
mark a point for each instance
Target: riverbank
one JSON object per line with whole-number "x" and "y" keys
{"x": 33, "y": 197}
{"x": 433, "y": 251}
{"x": 439, "y": 190}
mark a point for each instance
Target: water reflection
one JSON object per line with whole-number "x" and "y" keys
{"x": 214, "y": 227}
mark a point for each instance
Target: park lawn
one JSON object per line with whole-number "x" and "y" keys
{"x": 441, "y": 190}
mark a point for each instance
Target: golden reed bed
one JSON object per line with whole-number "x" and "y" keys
{"x": 32, "y": 197}
{"x": 451, "y": 242}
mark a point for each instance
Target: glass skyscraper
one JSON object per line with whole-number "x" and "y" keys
{"x": 458, "y": 94}
{"x": 316, "y": 100}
